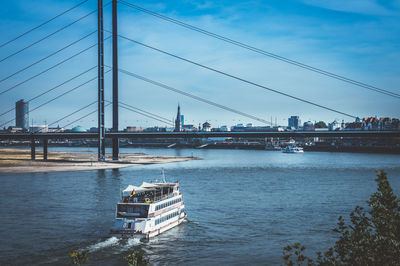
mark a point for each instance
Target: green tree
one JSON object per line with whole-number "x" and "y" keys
{"x": 320, "y": 124}
{"x": 373, "y": 238}
{"x": 79, "y": 258}
{"x": 136, "y": 258}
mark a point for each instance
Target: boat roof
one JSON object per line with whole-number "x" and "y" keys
{"x": 146, "y": 187}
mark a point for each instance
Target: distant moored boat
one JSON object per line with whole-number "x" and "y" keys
{"x": 293, "y": 149}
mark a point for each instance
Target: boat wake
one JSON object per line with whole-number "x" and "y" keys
{"x": 112, "y": 241}
{"x": 130, "y": 242}
{"x": 190, "y": 221}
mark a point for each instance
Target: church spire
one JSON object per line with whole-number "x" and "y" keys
{"x": 178, "y": 122}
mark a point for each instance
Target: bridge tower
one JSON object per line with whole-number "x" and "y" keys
{"x": 101, "y": 129}
{"x": 115, "y": 142}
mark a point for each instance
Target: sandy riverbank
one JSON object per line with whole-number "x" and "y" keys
{"x": 19, "y": 161}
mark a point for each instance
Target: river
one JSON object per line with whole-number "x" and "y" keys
{"x": 243, "y": 207}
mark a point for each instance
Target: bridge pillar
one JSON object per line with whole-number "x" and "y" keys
{"x": 100, "y": 44}
{"x": 115, "y": 141}
{"x": 33, "y": 149}
{"x": 45, "y": 144}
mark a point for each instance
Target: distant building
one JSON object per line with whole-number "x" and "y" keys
{"x": 189, "y": 128}
{"x": 78, "y": 129}
{"x": 156, "y": 129}
{"x": 56, "y": 129}
{"x": 178, "y": 122}
{"x": 250, "y": 128}
{"x": 373, "y": 123}
{"x": 294, "y": 122}
{"x": 39, "y": 128}
{"x": 206, "y": 126}
{"x": 308, "y": 126}
{"x": 132, "y": 129}
{"x": 224, "y": 128}
{"x": 238, "y": 127}
{"x": 334, "y": 125}
{"x": 22, "y": 114}
{"x": 14, "y": 129}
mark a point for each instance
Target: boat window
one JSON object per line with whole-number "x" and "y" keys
{"x": 127, "y": 210}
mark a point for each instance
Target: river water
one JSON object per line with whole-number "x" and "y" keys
{"x": 243, "y": 207}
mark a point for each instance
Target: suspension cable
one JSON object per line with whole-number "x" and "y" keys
{"x": 48, "y": 56}
{"x": 140, "y": 110}
{"x": 53, "y": 88}
{"x": 144, "y": 113}
{"x": 263, "y": 52}
{"x": 57, "y": 97}
{"x": 200, "y": 99}
{"x": 77, "y": 111}
{"x": 50, "y": 68}
{"x": 238, "y": 78}
{"x": 80, "y": 118}
{"x": 47, "y": 36}
{"x": 44, "y": 23}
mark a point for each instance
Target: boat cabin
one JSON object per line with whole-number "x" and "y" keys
{"x": 149, "y": 192}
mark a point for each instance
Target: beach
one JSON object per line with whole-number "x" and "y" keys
{"x": 19, "y": 161}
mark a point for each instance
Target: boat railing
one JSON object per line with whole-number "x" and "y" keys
{"x": 147, "y": 199}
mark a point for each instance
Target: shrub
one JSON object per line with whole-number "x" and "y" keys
{"x": 372, "y": 238}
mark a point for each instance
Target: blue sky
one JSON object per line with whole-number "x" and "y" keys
{"x": 359, "y": 39}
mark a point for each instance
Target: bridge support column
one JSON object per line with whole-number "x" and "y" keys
{"x": 45, "y": 144}
{"x": 115, "y": 141}
{"x": 100, "y": 44}
{"x": 33, "y": 150}
{"x": 115, "y": 151}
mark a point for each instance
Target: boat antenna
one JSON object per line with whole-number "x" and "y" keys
{"x": 163, "y": 175}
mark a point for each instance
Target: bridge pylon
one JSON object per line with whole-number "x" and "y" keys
{"x": 115, "y": 141}
{"x": 100, "y": 66}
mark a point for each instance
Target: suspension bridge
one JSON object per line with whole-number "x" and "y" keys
{"x": 102, "y": 69}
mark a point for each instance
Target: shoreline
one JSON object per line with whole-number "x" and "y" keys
{"x": 394, "y": 149}
{"x": 18, "y": 161}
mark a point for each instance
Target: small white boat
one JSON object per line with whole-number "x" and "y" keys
{"x": 293, "y": 149}
{"x": 149, "y": 210}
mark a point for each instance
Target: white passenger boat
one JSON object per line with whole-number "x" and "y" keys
{"x": 293, "y": 149}
{"x": 149, "y": 210}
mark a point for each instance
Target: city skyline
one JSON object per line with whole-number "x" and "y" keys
{"x": 293, "y": 31}
{"x": 179, "y": 124}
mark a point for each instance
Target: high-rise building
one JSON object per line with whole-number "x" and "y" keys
{"x": 22, "y": 114}
{"x": 178, "y": 121}
{"x": 294, "y": 122}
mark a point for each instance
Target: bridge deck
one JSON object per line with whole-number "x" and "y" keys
{"x": 91, "y": 135}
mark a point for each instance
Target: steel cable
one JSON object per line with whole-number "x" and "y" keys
{"x": 44, "y": 23}
{"x": 48, "y": 56}
{"x": 53, "y": 88}
{"x": 238, "y": 78}
{"x": 260, "y": 51}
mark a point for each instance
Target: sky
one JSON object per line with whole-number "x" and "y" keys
{"x": 357, "y": 39}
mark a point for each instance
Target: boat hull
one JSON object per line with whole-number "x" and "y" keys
{"x": 132, "y": 234}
